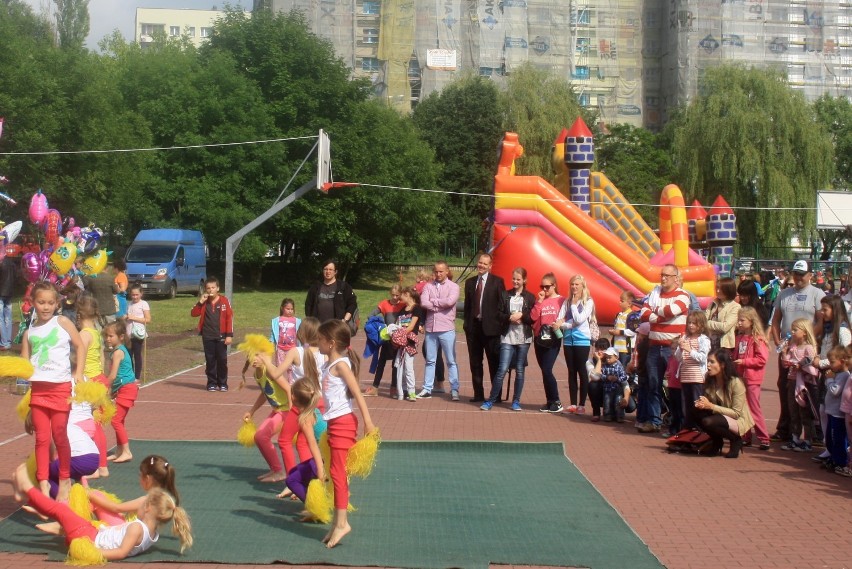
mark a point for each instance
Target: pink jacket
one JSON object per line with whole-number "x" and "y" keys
{"x": 753, "y": 355}
{"x": 440, "y": 303}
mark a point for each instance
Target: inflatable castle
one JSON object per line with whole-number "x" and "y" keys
{"x": 584, "y": 225}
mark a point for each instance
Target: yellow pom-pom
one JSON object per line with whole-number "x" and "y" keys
{"x": 83, "y": 553}
{"x": 78, "y": 501}
{"x": 256, "y": 344}
{"x": 23, "y": 407}
{"x": 318, "y": 502}
{"x": 103, "y": 414}
{"x": 245, "y": 436}
{"x": 16, "y": 366}
{"x": 362, "y": 455}
{"x": 92, "y": 392}
{"x": 31, "y": 468}
{"x": 325, "y": 450}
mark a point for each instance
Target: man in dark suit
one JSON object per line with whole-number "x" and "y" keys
{"x": 482, "y": 297}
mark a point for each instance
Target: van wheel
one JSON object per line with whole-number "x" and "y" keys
{"x": 172, "y": 290}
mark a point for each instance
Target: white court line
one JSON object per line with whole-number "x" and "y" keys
{"x": 13, "y": 439}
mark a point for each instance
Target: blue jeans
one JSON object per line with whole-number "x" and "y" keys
{"x": 5, "y": 321}
{"x": 612, "y": 398}
{"x": 546, "y": 359}
{"x": 511, "y": 356}
{"x": 447, "y": 341}
{"x": 651, "y": 392}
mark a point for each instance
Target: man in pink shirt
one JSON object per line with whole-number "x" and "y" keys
{"x": 439, "y": 298}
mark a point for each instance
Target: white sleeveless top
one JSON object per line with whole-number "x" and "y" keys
{"x": 297, "y": 372}
{"x": 110, "y": 537}
{"x": 81, "y": 443}
{"x": 334, "y": 392}
{"x": 50, "y": 352}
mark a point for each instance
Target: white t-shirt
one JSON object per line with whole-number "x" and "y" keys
{"x": 795, "y": 304}
{"x": 334, "y": 392}
{"x": 137, "y": 310}
{"x": 50, "y": 352}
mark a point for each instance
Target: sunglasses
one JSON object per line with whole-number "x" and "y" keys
{"x": 546, "y": 287}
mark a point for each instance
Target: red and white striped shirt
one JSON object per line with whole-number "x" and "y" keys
{"x": 667, "y": 315}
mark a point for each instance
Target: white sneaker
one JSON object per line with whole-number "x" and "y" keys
{"x": 424, "y": 395}
{"x": 455, "y": 395}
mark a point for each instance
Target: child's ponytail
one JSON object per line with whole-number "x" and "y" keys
{"x": 165, "y": 509}
{"x": 182, "y": 528}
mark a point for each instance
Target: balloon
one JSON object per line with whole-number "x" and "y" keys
{"x": 13, "y": 250}
{"x": 62, "y": 260}
{"x": 12, "y": 230}
{"x": 91, "y": 239}
{"x": 94, "y": 264}
{"x": 38, "y": 207}
{"x": 52, "y": 225}
{"x": 31, "y": 266}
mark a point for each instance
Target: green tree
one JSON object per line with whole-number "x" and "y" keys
{"x": 749, "y": 137}
{"x": 72, "y": 22}
{"x": 537, "y": 105}
{"x": 836, "y": 115}
{"x": 462, "y": 123}
{"x": 638, "y": 163}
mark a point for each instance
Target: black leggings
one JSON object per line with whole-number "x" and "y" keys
{"x": 575, "y": 359}
{"x": 136, "y": 347}
{"x": 717, "y": 427}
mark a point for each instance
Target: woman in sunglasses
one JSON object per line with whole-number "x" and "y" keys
{"x": 548, "y": 339}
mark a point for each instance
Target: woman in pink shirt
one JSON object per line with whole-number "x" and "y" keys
{"x": 544, "y": 315}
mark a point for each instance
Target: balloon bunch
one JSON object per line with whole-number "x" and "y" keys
{"x": 57, "y": 261}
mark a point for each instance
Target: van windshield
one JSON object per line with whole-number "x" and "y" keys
{"x": 150, "y": 253}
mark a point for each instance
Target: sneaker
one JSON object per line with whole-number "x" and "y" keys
{"x": 212, "y": 388}
{"x": 843, "y": 471}
{"x": 581, "y": 410}
{"x": 822, "y": 457}
{"x": 486, "y": 406}
{"x": 650, "y": 428}
{"x": 638, "y": 425}
{"x": 454, "y": 395}
{"x": 545, "y": 408}
{"x": 571, "y": 409}
{"x": 555, "y": 407}
{"x": 424, "y": 395}
{"x": 804, "y": 446}
{"x": 371, "y": 392}
{"x": 516, "y": 406}
{"x": 411, "y": 396}
{"x": 223, "y": 388}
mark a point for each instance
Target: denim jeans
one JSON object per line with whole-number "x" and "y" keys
{"x": 5, "y": 321}
{"x": 650, "y": 393}
{"x": 447, "y": 341}
{"x": 546, "y": 359}
{"x": 512, "y": 356}
{"x": 612, "y": 398}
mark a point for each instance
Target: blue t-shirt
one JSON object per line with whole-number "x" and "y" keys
{"x": 125, "y": 373}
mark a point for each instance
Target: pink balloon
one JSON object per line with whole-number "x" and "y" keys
{"x": 31, "y": 266}
{"x": 38, "y": 207}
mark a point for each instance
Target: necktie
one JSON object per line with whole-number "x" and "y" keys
{"x": 477, "y": 300}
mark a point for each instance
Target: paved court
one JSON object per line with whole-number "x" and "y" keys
{"x": 763, "y": 510}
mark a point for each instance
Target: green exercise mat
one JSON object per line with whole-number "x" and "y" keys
{"x": 426, "y": 505}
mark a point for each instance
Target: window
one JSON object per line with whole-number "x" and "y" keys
{"x": 371, "y": 8}
{"x": 370, "y": 65}
{"x": 371, "y": 35}
{"x": 151, "y": 29}
{"x": 206, "y": 32}
{"x": 585, "y": 99}
{"x": 174, "y": 31}
{"x": 580, "y": 72}
{"x": 190, "y": 31}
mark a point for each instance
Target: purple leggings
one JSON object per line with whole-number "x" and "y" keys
{"x": 300, "y": 476}
{"x": 82, "y": 465}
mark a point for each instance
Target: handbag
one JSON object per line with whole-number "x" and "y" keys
{"x": 594, "y": 329}
{"x": 137, "y": 331}
{"x": 545, "y": 337}
{"x": 690, "y": 441}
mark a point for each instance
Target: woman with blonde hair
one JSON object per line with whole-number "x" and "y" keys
{"x": 574, "y": 319}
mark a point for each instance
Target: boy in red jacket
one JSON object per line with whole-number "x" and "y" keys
{"x": 216, "y": 328}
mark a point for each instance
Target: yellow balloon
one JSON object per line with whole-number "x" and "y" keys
{"x": 94, "y": 264}
{"x": 62, "y": 260}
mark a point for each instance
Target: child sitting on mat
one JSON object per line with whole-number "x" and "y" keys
{"x": 113, "y": 542}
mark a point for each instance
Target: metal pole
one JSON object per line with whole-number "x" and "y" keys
{"x": 234, "y": 240}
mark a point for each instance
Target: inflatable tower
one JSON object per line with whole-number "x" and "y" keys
{"x": 721, "y": 235}
{"x": 579, "y": 157}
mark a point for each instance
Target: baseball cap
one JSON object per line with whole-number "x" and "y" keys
{"x": 611, "y": 352}
{"x": 800, "y": 267}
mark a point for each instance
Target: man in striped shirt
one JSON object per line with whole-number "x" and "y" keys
{"x": 665, "y": 309}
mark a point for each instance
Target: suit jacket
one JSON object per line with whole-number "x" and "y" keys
{"x": 492, "y": 298}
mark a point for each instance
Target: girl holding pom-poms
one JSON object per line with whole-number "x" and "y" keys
{"x": 306, "y": 396}
{"x": 339, "y": 386}
{"x": 48, "y": 344}
{"x": 122, "y": 385}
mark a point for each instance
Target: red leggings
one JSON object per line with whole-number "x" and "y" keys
{"x": 285, "y": 440}
{"x": 73, "y": 525}
{"x": 124, "y": 400}
{"x": 50, "y": 407}
{"x": 341, "y": 436}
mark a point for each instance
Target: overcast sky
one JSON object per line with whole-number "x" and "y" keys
{"x": 108, "y": 15}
